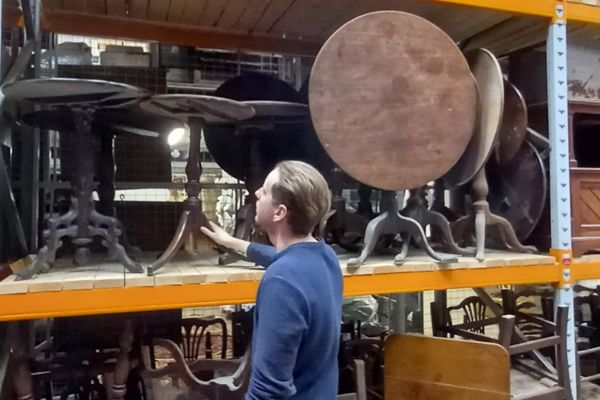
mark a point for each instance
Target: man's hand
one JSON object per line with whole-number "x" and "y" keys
{"x": 217, "y": 234}
{"x": 224, "y": 239}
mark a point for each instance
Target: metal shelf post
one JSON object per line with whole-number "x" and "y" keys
{"x": 560, "y": 194}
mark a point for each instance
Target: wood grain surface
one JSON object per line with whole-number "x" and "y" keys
{"x": 488, "y": 74}
{"x": 423, "y": 368}
{"x": 514, "y": 124}
{"x": 392, "y": 100}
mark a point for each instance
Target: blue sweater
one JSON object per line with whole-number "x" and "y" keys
{"x": 296, "y": 323}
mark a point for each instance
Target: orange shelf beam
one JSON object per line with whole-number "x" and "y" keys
{"x": 540, "y": 8}
{"x": 585, "y": 270}
{"x": 137, "y": 299}
{"x": 577, "y": 12}
{"x": 407, "y": 282}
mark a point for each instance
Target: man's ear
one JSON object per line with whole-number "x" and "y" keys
{"x": 280, "y": 213}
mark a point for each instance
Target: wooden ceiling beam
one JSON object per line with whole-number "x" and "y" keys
{"x": 185, "y": 35}
{"x": 510, "y": 35}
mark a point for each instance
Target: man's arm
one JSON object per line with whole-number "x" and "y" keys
{"x": 223, "y": 238}
{"x": 281, "y": 325}
{"x": 260, "y": 254}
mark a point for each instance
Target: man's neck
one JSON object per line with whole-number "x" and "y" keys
{"x": 283, "y": 240}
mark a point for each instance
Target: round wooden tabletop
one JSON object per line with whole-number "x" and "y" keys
{"x": 68, "y": 91}
{"x": 393, "y": 100}
{"x": 518, "y": 189}
{"x": 514, "y": 124}
{"x": 211, "y": 109}
{"x": 116, "y": 121}
{"x": 490, "y": 82}
{"x": 278, "y": 131}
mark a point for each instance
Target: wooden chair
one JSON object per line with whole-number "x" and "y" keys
{"x": 474, "y": 310}
{"x": 370, "y": 353}
{"x": 558, "y": 341}
{"x": 194, "y": 330}
{"x": 423, "y": 368}
{"x": 530, "y": 328}
{"x": 555, "y": 335}
{"x": 588, "y": 339}
{"x": 588, "y": 334}
{"x": 78, "y": 350}
{"x": 360, "y": 383}
{"x": 241, "y": 331}
{"x": 540, "y": 336}
{"x": 349, "y": 331}
{"x": 470, "y": 329}
{"x": 231, "y": 376}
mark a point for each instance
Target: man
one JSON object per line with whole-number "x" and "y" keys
{"x": 298, "y": 307}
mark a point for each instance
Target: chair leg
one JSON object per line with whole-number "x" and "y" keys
{"x": 562, "y": 365}
{"x": 437, "y": 319}
{"x": 361, "y": 384}
{"x": 507, "y": 325}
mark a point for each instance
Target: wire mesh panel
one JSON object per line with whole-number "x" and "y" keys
{"x": 143, "y": 165}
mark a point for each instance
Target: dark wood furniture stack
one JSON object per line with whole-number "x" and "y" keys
{"x": 535, "y": 342}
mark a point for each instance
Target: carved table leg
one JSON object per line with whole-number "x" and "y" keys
{"x": 18, "y": 334}
{"x": 111, "y": 234}
{"x": 438, "y": 220}
{"x": 176, "y": 242}
{"x": 414, "y": 230}
{"x": 416, "y": 209}
{"x": 244, "y": 226}
{"x": 392, "y": 222}
{"x": 255, "y": 174}
{"x": 375, "y": 229}
{"x": 507, "y": 233}
{"x": 188, "y": 231}
{"x": 365, "y": 208}
{"x": 53, "y": 235}
{"x": 123, "y": 364}
{"x": 106, "y": 189}
{"x": 480, "y": 228}
{"x": 106, "y": 175}
{"x": 481, "y": 217}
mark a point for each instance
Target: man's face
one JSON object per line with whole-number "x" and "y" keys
{"x": 265, "y": 207}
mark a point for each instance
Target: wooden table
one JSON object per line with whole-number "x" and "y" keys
{"x": 394, "y": 104}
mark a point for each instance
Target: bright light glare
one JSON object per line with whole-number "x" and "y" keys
{"x": 175, "y": 136}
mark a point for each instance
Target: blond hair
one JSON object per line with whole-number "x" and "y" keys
{"x": 304, "y": 191}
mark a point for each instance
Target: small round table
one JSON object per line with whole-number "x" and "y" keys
{"x": 73, "y": 105}
{"x": 514, "y": 125}
{"x": 394, "y": 104}
{"x": 519, "y": 188}
{"x": 493, "y": 121}
{"x": 196, "y": 111}
{"x": 250, "y": 149}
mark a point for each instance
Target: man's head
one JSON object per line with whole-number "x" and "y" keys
{"x": 294, "y": 196}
